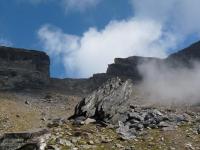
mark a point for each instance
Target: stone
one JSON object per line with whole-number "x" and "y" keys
{"x": 56, "y": 123}
{"x": 125, "y": 132}
{"x": 119, "y": 145}
{"x": 164, "y": 124}
{"x": 189, "y": 146}
{"x": 52, "y": 147}
{"x": 27, "y": 102}
{"x": 91, "y": 142}
{"x": 34, "y": 140}
{"x": 198, "y": 129}
{"x": 89, "y": 120}
{"x": 105, "y": 103}
{"x": 74, "y": 140}
{"x": 170, "y": 128}
{"x": 64, "y": 142}
{"x": 80, "y": 120}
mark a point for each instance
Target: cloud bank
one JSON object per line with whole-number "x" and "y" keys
{"x": 166, "y": 85}
{"x": 150, "y": 32}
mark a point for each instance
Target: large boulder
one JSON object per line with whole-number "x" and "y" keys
{"x": 116, "y": 102}
{"x": 108, "y": 103}
{"x": 20, "y": 68}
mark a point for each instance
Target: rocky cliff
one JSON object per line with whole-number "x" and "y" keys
{"x": 20, "y": 68}
{"x": 128, "y": 67}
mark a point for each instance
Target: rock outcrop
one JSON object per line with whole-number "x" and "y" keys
{"x": 108, "y": 103}
{"x": 128, "y": 67}
{"x": 21, "y": 68}
{"x": 116, "y": 103}
{"x": 36, "y": 140}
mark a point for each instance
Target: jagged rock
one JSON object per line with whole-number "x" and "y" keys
{"x": 20, "y": 68}
{"x": 35, "y": 140}
{"x": 108, "y": 103}
{"x": 126, "y": 132}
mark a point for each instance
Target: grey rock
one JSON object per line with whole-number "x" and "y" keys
{"x": 89, "y": 120}
{"x": 125, "y": 132}
{"x": 56, "y": 122}
{"x": 35, "y": 140}
{"x": 105, "y": 103}
{"x": 79, "y": 120}
{"x": 64, "y": 142}
{"x": 198, "y": 129}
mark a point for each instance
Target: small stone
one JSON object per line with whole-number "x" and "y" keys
{"x": 164, "y": 124}
{"x": 172, "y": 148}
{"x": 189, "y": 146}
{"x": 43, "y": 119}
{"x": 79, "y": 121}
{"x": 198, "y": 129}
{"x": 119, "y": 146}
{"x": 74, "y": 140}
{"x": 91, "y": 142}
{"x": 89, "y": 120}
{"x": 64, "y": 142}
{"x": 171, "y": 128}
{"x": 105, "y": 140}
{"x": 27, "y": 102}
{"x": 55, "y": 123}
{"x": 52, "y": 147}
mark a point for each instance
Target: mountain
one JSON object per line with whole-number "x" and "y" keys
{"x": 31, "y": 99}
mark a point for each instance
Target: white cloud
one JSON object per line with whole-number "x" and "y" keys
{"x": 181, "y": 16}
{"x": 95, "y": 49}
{"x": 79, "y": 5}
{"x": 155, "y": 27}
{"x": 68, "y": 5}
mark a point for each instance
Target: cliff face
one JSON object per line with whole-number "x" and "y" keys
{"x": 21, "y": 68}
{"x": 128, "y": 67}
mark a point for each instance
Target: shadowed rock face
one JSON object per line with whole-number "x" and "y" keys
{"x": 21, "y": 68}
{"x": 127, "y": 67}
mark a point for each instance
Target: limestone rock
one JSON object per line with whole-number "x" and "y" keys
{"x": 106, "y": 103}
{"x": 35, "y": 140}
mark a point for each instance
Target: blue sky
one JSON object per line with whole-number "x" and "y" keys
{"x": 83, "y": 36}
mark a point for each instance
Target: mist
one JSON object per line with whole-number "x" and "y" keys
{"x": 165, "y": 84}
